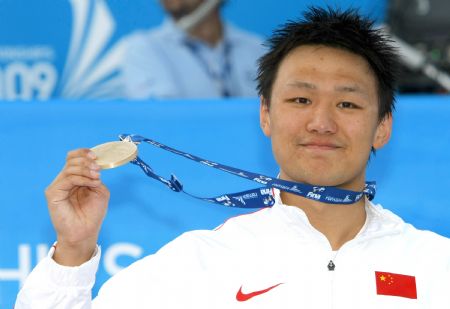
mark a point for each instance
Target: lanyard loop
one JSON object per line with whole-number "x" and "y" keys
{"x": 254, "y": 198}
{"x": 222, "y": 77}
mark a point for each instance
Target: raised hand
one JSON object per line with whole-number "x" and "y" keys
{"x": 77, "y": 202}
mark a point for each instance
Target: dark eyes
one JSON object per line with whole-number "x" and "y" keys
{"x": 347, "y": 105}
{"x": 343, "y": 105}
{"x": 301, "y": 100}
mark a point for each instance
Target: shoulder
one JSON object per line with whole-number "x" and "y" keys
{"x": 235, "y": 232}
{"x": 163, "y": 33}
{"x": 143, "y": 37}
{"x": 146, "y": 52}
{"x": 196, "y": 250}
{"x": 427, "y": 240}
{"x": 240, "y": 233}
{"x": 430, "y": 255}
{"x": 412, "y": 238}
{"x": 250, "y": 220}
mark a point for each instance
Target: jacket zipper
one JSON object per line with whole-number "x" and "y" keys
{"x": 331, "y": 268}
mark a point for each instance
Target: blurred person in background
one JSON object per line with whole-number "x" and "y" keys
{"x": 194, "y": 53}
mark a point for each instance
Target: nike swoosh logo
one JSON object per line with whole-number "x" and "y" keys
{"x": 240, "y": 296}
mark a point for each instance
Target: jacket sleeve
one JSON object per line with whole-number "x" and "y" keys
{"x": 51, "y": 285}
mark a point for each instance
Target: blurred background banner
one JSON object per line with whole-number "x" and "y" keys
{"x": 73, "y": 48}
{"x": 412, "y": 171}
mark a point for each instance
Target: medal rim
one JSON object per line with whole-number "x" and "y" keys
{"x": 116, "y": 163}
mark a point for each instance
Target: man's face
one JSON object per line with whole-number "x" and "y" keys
{"x": 180, "y": 8}
{"x": 323, "y": 117}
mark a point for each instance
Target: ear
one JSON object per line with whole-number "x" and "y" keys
{"x": 383, "y": 132}
{"x": 264, "y": 119}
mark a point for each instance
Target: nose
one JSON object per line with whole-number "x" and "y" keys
{"x": 321, "y": 121}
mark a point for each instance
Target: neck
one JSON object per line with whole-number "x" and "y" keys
{"x": 209, "y": 30}
{"x": 339, "y": 223}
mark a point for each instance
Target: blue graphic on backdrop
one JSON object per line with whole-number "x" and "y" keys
{"x": 92, "y": 67}
{"x": 29, "y": 74}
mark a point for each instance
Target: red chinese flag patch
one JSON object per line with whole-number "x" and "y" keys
{"x": 396, "y": 285}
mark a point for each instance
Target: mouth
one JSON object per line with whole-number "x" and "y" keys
{"x": 320, "y": 146}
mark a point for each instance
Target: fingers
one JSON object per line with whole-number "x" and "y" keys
{"x": 81, "y": 162}
{"x": 80, "y": 170}
{"x": 72, "y": 181}
{"x": 82, "y": 152}
{"x": 82, "y": 167}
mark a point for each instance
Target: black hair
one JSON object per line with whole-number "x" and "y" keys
{"x": 347, "y": 30}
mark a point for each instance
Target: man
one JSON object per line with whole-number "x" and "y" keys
{"x": 207, "y": 58}
{"x": 327, "y": 97}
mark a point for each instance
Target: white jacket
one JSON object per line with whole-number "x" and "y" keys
{"x": 272, "y": 258}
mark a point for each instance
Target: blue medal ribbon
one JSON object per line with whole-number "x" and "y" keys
{"x": 254, "y": 198}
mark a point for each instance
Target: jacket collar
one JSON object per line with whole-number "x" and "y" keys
{"x": 379, "y": 221}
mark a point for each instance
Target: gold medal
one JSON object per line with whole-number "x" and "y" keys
{"x": 114, "y": 154}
